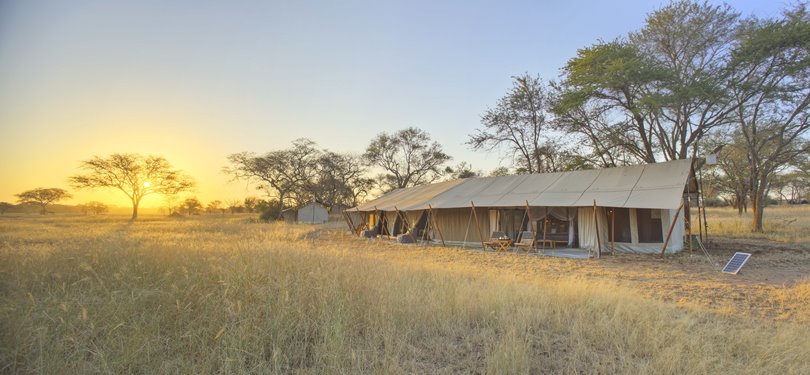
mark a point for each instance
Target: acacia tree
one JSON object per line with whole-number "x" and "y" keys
{"x": 691, "y": 43}
{"x": 519, "y": 122}
{"x": 283, "y": 174}
{"x": 192, "y": 205}
{"x": 771, "y": 88}
{"x": 409, "y": 158}
{"x": 135, "y": 175}
{"x": 607, "y": 99}
{"x": 94, "y": 207}
{"x": 656, "y": 94}
{"x": 43, "y": 197}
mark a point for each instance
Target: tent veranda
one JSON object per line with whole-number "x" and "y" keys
{"x": 634, "y": 206}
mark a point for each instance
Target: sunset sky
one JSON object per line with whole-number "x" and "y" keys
{"x": 195, "y": 81}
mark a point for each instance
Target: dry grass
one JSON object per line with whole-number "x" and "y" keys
{"x": 219, "y": 295}
{"x": 788, "y": 224}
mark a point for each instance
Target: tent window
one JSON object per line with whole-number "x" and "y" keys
{"x": 649, "y": 226}
{"x": 619, "y": 220}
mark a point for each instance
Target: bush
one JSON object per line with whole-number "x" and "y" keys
{"x": 268, "y": 215}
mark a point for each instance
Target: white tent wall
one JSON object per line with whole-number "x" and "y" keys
{"x": 313, "y": 213}
{"x": 587, "y": 229}
{"x": 587, "y": 239}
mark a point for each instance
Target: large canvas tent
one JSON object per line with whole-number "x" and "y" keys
{"x": 633, "y": 208}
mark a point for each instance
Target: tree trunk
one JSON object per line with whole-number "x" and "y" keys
{"x": 134, "y": 210}
{"x": 758, "y": 208}
{"x": 280, "y": 205}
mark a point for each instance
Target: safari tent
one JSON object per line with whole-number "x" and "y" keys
{"x": 627, "y": 209}
{"x": 312, "y": 213}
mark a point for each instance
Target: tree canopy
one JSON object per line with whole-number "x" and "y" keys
{"x": 408, "y": 157}
{"x": 43, "y": 197}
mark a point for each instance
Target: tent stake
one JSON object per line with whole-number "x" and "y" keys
{"x": 671, "y": 227}
{"x": 596, "y": 223}
{"x": 478, "y": 227}
{"x": 436, "y": 225}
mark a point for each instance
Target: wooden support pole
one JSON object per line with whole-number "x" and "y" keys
{"x": 378, "y": 221}
{"x": 363, "y": 221}
{"x": 405, "y": 221}
{"x": 436, "y": 225}
{"x": 478, "y": 226}
{"x": 671, "y": 227}
{"x": 700, "y": 221}
{"x": 545, "y": 230}
{"x": 613, "y": 232}
{"x": 596, "y": 224}
{"x": 349, "y": 222}
{"x": 687, "y": 217}
{"x": 532, "y": 226}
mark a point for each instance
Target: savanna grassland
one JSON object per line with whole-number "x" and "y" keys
{"x": 221, "y": 294}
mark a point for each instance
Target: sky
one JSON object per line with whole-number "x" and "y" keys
{"x": 195, "y": 81}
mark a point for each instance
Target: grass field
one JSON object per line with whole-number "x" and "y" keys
{"x": 789, "y": 224}
{"x": 218, "y": 294}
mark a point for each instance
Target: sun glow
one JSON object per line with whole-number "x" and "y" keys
{"x": 147, "y": 184}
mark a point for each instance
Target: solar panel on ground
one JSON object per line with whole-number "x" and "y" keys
{"x": 736, "y": 262}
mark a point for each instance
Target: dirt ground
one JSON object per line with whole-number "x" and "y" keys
{"x": 773, "y": 285}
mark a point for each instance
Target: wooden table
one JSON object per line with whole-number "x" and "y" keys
{"x": 501, "y": 245}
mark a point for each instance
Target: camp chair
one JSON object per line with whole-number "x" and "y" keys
{"x": 527, "y": 241}
{"x": 496, "y": 241}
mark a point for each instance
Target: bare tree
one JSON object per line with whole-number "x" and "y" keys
{"x": 283, "y": 173}
{"x": 409, "y": 158}
{"x": 340, "y": 180}
{"x": 43, "y": 197}
{"x": 135, "y": 175}
{"x": 519, "y": 122}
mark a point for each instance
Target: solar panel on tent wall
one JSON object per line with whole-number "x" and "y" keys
{"x": 736, "y": 262}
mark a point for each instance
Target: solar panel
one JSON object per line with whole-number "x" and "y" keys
{"x": 736, "y": 262}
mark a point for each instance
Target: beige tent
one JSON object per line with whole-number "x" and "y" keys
{"x": 635, "y": 206}
{"x": 312, "y": 213}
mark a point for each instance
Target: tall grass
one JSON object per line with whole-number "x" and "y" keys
{"x": 789, "y": 224}
{"x": 223, "y": 296}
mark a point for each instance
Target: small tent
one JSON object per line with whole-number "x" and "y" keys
{"x": 312, "y": 213}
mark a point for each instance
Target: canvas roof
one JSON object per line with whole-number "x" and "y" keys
{"x": 659, "y": 185}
